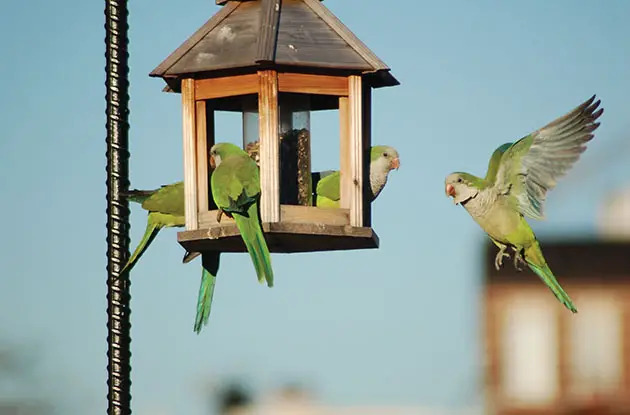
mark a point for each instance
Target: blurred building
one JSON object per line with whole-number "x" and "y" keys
{"x": 541, "y": 358}
{"x": 614, "y": 216}
{"x": 15, "y": 407}
{"x": 296, "y": 401}
{"x": 20, "y": 382}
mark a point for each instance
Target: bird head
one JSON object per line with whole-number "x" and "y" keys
{"x": 220, "y": 151}
{"x": 385, "y": 157}
{"x": 461, "y": 187}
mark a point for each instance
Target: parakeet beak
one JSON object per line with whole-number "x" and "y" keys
{"x": 450, "y": 190}
{"x": 213, "y": 163}
{"x": 395, "y": 164}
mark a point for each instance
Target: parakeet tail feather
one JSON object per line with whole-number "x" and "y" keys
{"x": 255, "y": 242}
{"x": 537, "y": 263}
{"x": 149, "y": 234}
{"x": 210, "y": 268}
{"x": 204, "y": 300}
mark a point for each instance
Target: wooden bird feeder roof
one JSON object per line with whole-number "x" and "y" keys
{"x": 245, "y": 36}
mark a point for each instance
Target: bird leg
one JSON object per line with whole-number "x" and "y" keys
{"x": 498, "y": 260}
{"x": 518, "y": 258}
{"x": 219, "y": 214}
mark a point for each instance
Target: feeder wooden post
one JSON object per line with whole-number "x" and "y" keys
{"x": 355, "y": 147}
{"x": 189, "y": 113}
{"x": 202, "y": 157}
{"x": 269, "y": 146}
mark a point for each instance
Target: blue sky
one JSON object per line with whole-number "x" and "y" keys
{"x": 398, "y": 325}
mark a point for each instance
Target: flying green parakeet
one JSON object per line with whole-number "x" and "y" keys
{"x": 516, "y": 185}
{"x": 166, "y": 209}
{"x": 235, "y": 185}
{"x": 383, "y": 159}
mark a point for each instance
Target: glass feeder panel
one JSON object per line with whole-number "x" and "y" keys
{"x": 295, "y": 149}
{"x": 251, "y": 142}
{"x": 324, "y": 155}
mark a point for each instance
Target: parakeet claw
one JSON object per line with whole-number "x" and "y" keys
{"x": 498, "y": 260}
{"x": 219, "y": 215}
{"x": 518, "y": 258}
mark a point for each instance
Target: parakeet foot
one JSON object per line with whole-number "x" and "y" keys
{"x": 518, "y": 258}
{"x": 219, "y": 215}
{"x": 498, "y": 260}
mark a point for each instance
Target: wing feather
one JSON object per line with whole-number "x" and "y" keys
{"x": 532, "y": 165}
{"x": 167, "y": 199}
{"x": 329, "y": 186}
{"x": 235, "y": 183}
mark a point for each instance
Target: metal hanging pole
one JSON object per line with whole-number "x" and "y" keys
{"x": 118, "y": 309}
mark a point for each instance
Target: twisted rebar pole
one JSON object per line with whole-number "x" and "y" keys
{"x": 118, "y": 310}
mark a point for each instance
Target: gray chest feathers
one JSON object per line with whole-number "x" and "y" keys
{"x": 379, "y": 169}
{"x": 481, "y": 205}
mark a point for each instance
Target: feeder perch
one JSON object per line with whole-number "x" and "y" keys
{"x": 276, "y": 61}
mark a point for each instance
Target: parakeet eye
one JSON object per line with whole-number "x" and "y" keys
{"x": 459, "y": 180}
{"x": 385, "y": 154}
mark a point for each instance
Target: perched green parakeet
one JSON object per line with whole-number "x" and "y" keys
{"x": 235, "y": 185}
{"x": 383, "y": 159}
{"x": 166, "y": 209}
{"x": 516, "y": 184}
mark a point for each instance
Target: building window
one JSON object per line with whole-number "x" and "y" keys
{"x": 529, "y": 358}
{"x": 595, "y": 346}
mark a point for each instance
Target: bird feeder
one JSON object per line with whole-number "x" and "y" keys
{"x": 275, "y": 62}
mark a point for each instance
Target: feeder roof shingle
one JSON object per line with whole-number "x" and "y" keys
{"x": 267, "y": 33}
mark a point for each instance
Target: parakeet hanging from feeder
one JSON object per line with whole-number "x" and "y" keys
{"x": 166, "y": 209}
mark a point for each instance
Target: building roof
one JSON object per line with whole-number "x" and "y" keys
{"x": 589, "y": 261}
{"x": 302, "y": 34}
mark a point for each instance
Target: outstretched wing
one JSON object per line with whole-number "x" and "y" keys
{"x": 495, "y": 162}
{"x": 532, "y": 165}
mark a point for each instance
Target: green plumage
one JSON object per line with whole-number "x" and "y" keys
{"x": 166, "y": 209}
{"x": 210, "y": 269}
{"x": 536, "y": 261}
{"x": 516, "y": 184}
{"x": 328, "y": 191}
{"x": 495, "y": 161}
{"x": 383, "y": 159}
{"x": 235, "y": 187}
